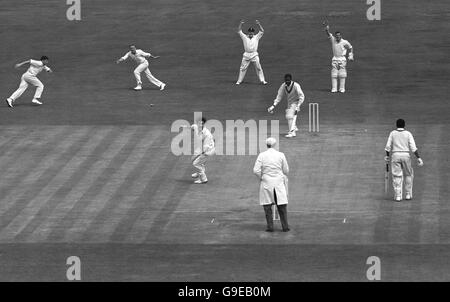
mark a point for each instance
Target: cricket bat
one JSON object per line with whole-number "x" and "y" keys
{"x": 386, "y": 179}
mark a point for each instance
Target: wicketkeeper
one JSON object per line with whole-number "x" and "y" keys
{"x": 399, "y": 145}
{"x": 295, "y": 98}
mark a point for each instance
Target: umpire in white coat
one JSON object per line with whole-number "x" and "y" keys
{"x": 272, "y": 169}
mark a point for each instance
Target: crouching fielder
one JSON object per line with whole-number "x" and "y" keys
{"x": 271, "y": 168}
{"x": 140, "y": 57}
{"x": 30, "y": 77}
{"x": 204, "y": 148}
{"x": 295, "y": 98}
{"x": 342, "y": 49}
{"x": 400, "y": 143}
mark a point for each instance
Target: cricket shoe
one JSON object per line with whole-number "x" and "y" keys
{"x": 36, "y": 102}
{"x": 162, "y": 86}
{"x": 9, "y": 102}
{"x": 342, "y": 90}
{"x": 195, "y": 175}
{"x": 199, "y": 181}
{"x": 238, "y": 83}
{"x": 138, "y": 87}
{"x": 291, "y": 134}
{"x": 408, "y": 196}
{"x": 398, "y": 198}
{"x": 264, "y": 83}
{"x": 334, "y": 90}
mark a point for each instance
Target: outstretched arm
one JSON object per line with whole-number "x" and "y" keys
{"x": 22, "y": 63}
{"x": 123, "y": 58}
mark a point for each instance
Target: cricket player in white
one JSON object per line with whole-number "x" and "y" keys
{"x": 30, "y": 77}
{"x": 271, "y": 168}
{"x": 203, "y": 148}
{"x": 342, "y": 49}
{"x": 140, "y": 57}
{"x": 400, "y": 143}
{"x": 295, "y": 98}
{"x": 251, "y": 55}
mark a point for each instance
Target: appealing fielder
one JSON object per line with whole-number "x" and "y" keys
{"x": 30, "y": 77}
{"x": 295, "y": 98}
{"x": 271, "y": 168}
{"x": 250, "y": 55}
{"x": 203, "y": 148}
{"x": 140, "y": 57}
{"x": 400, "y": 143}
{"x": 342, "y": 49}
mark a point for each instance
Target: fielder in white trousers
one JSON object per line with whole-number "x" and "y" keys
{"x": 399, "y": 145}
{"x": 30, "y": 78}
{"x": 204, "y": 148}
{"x": 140, "y": 57}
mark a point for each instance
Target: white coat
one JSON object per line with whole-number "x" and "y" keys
{"x": 272, "y": 169}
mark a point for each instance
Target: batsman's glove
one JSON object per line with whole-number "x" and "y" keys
{"x": 386, "y": 159}
{"x": 350, "y": 56}
{"x": 420, "y": 162}
{"x": 270, "y": 109}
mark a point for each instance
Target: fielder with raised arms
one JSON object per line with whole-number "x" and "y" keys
{"x": 251, "y": 42}
{"x": 140, "y": 57}
{"x": 342, "y": 49}
{"x": 30, "y": 77}
{"x": 295, "y": 98}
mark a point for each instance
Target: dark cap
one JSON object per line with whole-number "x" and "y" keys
{"x": 251, "y": 30}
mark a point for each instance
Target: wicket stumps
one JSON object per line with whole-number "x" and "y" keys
{"x": 313, "y": 117}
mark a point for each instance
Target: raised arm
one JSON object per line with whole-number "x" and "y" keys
{"x": 327, "y": 29}
{"x": 240, "y": 26}
{"x": 22, "y": 63}
{"x": 261, "y": 29}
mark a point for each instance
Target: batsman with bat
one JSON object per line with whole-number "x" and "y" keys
{"x": 399, "y": 145}
{"x": 295, "y": 98}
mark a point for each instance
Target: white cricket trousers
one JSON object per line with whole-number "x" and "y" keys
{"x": 26, "y": 80}
{"x": 402, "y": 169}
{"x": 199, "y": 162}
{"x": 244, "y": 66}
{"x": 144, "y": 68}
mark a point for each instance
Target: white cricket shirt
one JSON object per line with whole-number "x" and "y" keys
{"x": 401, "y": 140}
{"x": 139, "y": 57}
{"x": 36, "y": 67}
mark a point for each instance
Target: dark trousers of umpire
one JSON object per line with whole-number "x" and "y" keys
{"x": 282, "y": 210}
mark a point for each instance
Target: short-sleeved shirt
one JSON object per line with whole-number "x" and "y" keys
{"x": 251, "y": 45}
{"x": 401, "y": 140}
{"x": 139, "y": 57}
{"x": 339, "y": 48}
{"x": 36, "y": 67}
